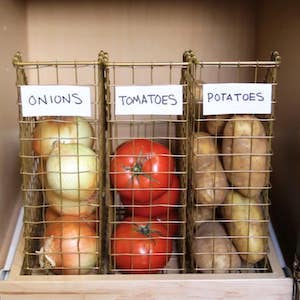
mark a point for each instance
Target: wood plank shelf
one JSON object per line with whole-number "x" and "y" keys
{"x": 273, "y": 285}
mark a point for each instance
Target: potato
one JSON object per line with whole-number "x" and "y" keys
{"x": 245, "y": 158}
{"x": 202, "y": 214}
{"x": 197, "y": 104}
{"x": 215, "y": 124}
{"x": 208, "y": 176}
{"x": 245, "y": 221}
{"x": 213, "y": 251}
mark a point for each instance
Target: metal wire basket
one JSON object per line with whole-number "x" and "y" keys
{"x": 230, "y": 174}
{"x": 202, "y": 207}
{"x": 171, "y": 132}
{"x": 55, "y": 225}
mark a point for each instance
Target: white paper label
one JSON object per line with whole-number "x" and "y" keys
{"x": 237, "y": 98}
{"x": 55, "y": 100}
{"x": 148, "y": 100}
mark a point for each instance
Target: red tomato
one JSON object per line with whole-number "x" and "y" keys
{"x": 140, "y": 247}
{"x": 170, "y": 221}
{"x": 141, "y": 170}
{"x": 158, "y": 206}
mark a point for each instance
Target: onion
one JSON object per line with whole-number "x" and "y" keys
{"x": 51, "y": 215}
{"x": 62, "y": 206}
{"x": 70, "y": 247}
{"x": 72, "y": 171}
{"x": 65, "y": 130}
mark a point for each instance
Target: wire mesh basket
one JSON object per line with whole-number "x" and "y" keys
{"x": 230, "y": 174}
{"x": 62, "y": 199}
{"x": 203, "y": 208}
{"x": 158, "y": 189}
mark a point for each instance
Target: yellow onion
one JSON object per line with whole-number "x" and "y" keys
{"x": 64, "y": 130}
{"x": 51, "y": 215}
{"x": 72, "y": 171}
{"x": 63, "y": 206}
{"x": 69, "y": 247}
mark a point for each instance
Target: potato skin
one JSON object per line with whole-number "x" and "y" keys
{"x": 245, "y": 158}
{"x": 245, "y": 222}
{"x": 208, "y": 176}
{"x": 202, "y": 214}
{"x": 215, "y": 124}
{"x": 213, "y": 251}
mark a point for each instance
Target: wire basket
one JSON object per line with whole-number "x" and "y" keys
{"x": 62, "y": 214}
{"x": 230, "y": 174}
{"x": 205, "y": 210}
{"x": 149, "y": 137}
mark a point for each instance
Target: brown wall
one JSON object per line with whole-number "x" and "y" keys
{"x": 140, "y": 30}
{"x": 278, "y": 27}
{"x": 12, "y": 38}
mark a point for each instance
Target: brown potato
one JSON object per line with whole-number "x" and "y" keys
{"x": 208, "y": 176}
{"x": 213, "y": 251}
{"x": 215, "y": 124}
{"x": 202, "y": 214}
{"x": 245, "y": 156}
{"x": 246, "y": 221}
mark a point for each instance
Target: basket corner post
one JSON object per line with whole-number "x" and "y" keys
{"x": 188, "y": 78}
{"x": 102, "y": 83}
{"x": 17, "y": 58}
{"x": 275, "y": 56}
{"x": 102, "y": 57}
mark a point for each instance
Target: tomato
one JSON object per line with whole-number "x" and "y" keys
{"x": 158, "y": 206}
{"x": 170, "y": 221}
{"x": 141, "y": 169}
{"x": 138, "y": 246}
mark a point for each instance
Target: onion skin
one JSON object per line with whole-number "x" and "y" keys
{"x": 72, "y": 171}
{"x": 70, "y": 247}
{"x": 51, "y": 215}
{"x": 63, "y": 206}
{"x": 64, "y": 130}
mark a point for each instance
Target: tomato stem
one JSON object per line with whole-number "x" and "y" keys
{"x": 137, "y": 169}
{"x": 146, "y": 230}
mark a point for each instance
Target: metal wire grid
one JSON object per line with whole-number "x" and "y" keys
{"x": 206, "y": 252}
{"x": 167, "y": 130}
{"x": 175, "y": 133}
{"x": 33, "y": 167}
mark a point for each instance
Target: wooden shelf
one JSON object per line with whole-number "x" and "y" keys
{"x": 273, "y": 285}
